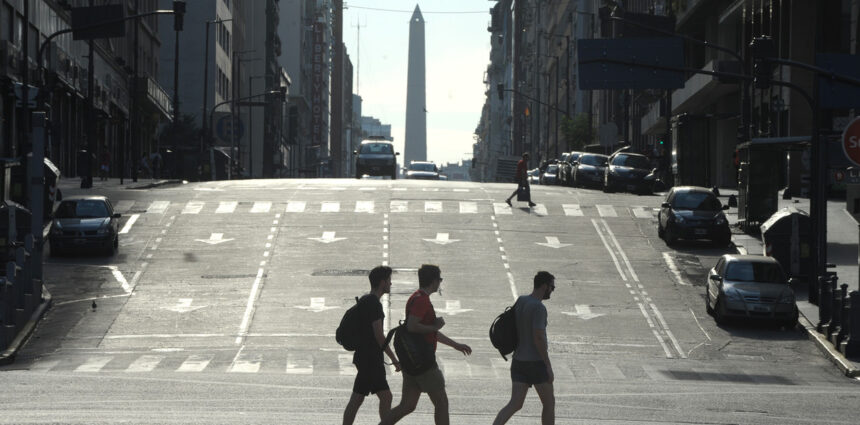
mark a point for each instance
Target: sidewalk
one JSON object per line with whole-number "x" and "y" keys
{"x": 842, "y": 243}
{"x": 69, "y": 184}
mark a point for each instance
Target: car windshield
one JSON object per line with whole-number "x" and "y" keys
{"x": 633, "y": 161}
{"x": 422, "y": 167}
{"x": 573, "y": 156}
{"x": 696, "y": 201}
{"x": 82, "y": 209}
{"x": 742, "y": 271}
{"x": 595, "y": 160}
{"x": 377, "y": 148}
{"x": 552, "y": 169}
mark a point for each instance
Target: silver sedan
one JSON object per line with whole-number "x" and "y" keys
{"x": 750, "y": 287}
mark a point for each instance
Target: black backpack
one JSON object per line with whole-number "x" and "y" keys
{"x": 348, "y": 333}
{"x": 415, "y": 354}
{"x": 503, "y": 331}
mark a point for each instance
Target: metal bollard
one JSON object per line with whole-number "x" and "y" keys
{"x": 839, "y": 316}
{"x": 23, "y": 283}
{"x": 846, "y": 317}
{"x": 850, "y": 346}
{"x": 835, "y": 311}
{"x": 824, "y": 304}
{"x": 814, "y": 289}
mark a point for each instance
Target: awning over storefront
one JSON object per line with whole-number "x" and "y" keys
{"x": 150, "y": 90}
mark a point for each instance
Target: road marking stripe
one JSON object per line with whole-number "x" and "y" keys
{"x": 261, "y": 207}
{"x": 667, "y": 257}
{"x": 158, "y": 207}
{"x": 606, "y": 211}
{"x": 641, "y": 212}
{"x": 300, "y": 364}
{"x": 540, "y": 209}
{"x": 468, "y": 207}
{"x": 432, "y": 206}
{"x": 195, "y": 363}
{"x": 123, "y": 206}
{"x": 44, "y": 365}
{"x": 344, "y": 362}
{"x": 226, "y": 207}
{"x": 193, "y": 207}
{"x": 121, "y": 279}
{"x": 127, "y": 227}
{"x": 296, "y": 206}
{"x": 501, "y": 208}
{"x": 572, "y": 210}
{"x": 94, "y": 364}
{"x": 330, "y": 207}
{"x": 609, "y": 249}
{"x": 145, "y": 363}
{"x": 252, "y": 298}
{"x": 399, "y": 206}
{"x": 364, "y": 207}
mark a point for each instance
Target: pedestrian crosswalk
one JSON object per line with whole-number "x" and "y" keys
{"x": 393, "y": 207}
{"x": 339, "y": 363}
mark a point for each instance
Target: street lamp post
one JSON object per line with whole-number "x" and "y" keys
{"x": 232, "y": 130}
{"x": 205, "y": 127}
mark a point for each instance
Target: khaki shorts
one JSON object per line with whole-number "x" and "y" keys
{"x": 431, "y": 381}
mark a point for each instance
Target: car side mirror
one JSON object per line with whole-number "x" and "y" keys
{"x": 116, "y": 215}
{"x": 397, "y": 153}
{"x": 716, "y": 278}
{"x": 665, "y": 205}
{"x": 725, "y": 207}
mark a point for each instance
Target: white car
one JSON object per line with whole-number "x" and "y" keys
{"x": 750, "y": 287}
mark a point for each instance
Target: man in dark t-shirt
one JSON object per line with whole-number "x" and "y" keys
{"x": 368, "y": 356}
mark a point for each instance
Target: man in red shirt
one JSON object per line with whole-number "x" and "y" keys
{"x": 421, "y": 318}
{"x": 522, "y": 179}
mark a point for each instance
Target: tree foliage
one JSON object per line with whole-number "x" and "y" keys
{"x": 577, "y": 132}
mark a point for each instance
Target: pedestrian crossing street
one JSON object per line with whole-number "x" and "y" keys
{"x": 371, "y": 207}
{"x": 339, "y": 363}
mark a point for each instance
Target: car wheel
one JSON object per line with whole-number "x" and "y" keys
{"x": 708, "y": 308}
{"x": 719, "y": 317}
{"x": 660, "y": 232}
{"x": 791, "y": 323}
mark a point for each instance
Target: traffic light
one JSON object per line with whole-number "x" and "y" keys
{"x": 660, "y": 142}
{"x": 501, "y": 88}
{"x": 178, "y": 14}
{"x": 762, "y": 50}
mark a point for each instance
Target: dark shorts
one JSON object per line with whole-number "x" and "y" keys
{"x": 370, "y": 378}
{"x": 531, "y": 373}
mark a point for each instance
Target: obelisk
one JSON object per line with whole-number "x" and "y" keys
{"x": 416, "y": 95}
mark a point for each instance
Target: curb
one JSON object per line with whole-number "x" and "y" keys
{"x": 822, "y": 343}
{"x": 154, "y": 184}
{"x": 8, "y": 355}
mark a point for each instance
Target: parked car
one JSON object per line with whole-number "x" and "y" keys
{"x": 84, "y": 223}
{"x": 588, "y": 169}
{"x": 422, "y": 170}
{"x": 534, "y": 176}
{"x": 376, "y": 158}
{"x": 565, "y": 168}
{"x": 750, "y": 287}
{"x": 691, "y": 212}
{"x": 629, "y": 171}
{"x": 550, "y": 176}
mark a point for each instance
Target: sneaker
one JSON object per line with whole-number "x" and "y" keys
{"x": 532, "y": 204}
{"x": 508, "y": 201}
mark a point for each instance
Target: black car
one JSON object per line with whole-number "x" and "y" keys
{"x": 630, "y": 172}
{"x": 84, "y": 223}
{"x": 376, "y": 158}
{"x": 691, "y": 212}
{"x": 589, "y": 169}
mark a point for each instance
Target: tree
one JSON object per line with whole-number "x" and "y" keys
{"x": 577, "y": 132}
{"x": 182, "y": 132}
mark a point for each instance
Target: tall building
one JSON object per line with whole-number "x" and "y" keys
{"x": 416, "y": 94}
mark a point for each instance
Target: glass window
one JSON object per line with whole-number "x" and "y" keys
{"x": 696, "y": 201}
{"x": 422, "y": 166}
{"x": 377, "y": 148}
{"x": 595, "y": 160}
{"x": 633, "y": 161}
{"x": 742, "y": 271}
{"x": 82, "y": 209}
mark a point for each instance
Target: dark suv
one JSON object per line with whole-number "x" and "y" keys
{"x": 376, "y": 158}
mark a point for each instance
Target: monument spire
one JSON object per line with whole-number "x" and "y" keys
{"x": 416, "y": 93}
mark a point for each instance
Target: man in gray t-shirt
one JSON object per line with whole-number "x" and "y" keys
{"x": 530, "y": 364}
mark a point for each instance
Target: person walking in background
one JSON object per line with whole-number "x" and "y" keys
{"x": 104, "y": 164}
{"x": 368, "y": 356}
{"x": 522, "y": 179}
{"x": 530, "y": 365}
{"x": 421, "y": 318}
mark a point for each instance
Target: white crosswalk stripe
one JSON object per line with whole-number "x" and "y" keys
{"x": 261, "y": 207}
{"x": 193, "y": 207}
{"x": 345, "y": 366}
{"x": 641, "y": 212}
{"x": 158, "y": 207}
{"x": 226, "y": 207}
{"x": 330, "y": 207}
{"x": 501, "y": 208}
{"x": 432, "y": 206}
{"x": 399, "y": 206}
{"x": 540, "y": 209}
{"x": 246, "y": 364}
{"x": 572, "y": 210}
{"x": 194, "y": 363}
{"x": 364, "y": 207}
{"x": 93, "y": 364}
{"x": 468, "y": 208}
{"x": 296, "y": 206}
{"x": 606, "y": 211}
{"x": 145, "y": 363}
{"x": 300, "y": 364}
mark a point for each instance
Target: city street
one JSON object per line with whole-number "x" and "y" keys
{"x": 221, "y": 304}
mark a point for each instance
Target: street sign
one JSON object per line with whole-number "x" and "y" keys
{"x": 851, "y": 141}
{"x": 224, "y": 128}
{"x": 631, "y": 63}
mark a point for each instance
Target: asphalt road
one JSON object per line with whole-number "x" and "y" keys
{"x": 221, "y": 306}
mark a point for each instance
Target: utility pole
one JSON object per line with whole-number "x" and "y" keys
{"x": 358, "y": 28}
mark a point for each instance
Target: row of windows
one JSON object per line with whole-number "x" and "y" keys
{"x": 222, "y": 84}
{"x": 223, "y": 37}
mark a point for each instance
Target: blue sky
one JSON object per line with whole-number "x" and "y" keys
{"x": 457, "y": 55}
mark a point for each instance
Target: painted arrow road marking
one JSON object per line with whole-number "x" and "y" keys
{"x": 442, "y": 239}
{"x": 317, "y": 305}
{"x": 452, "y": 307}
{"x": 183, "y": 306}
{"x": 583, "y": 311}
{"x": 552, "y": 242}
{"x": 214, "y": 239}
{"x": 327, "y": 237}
